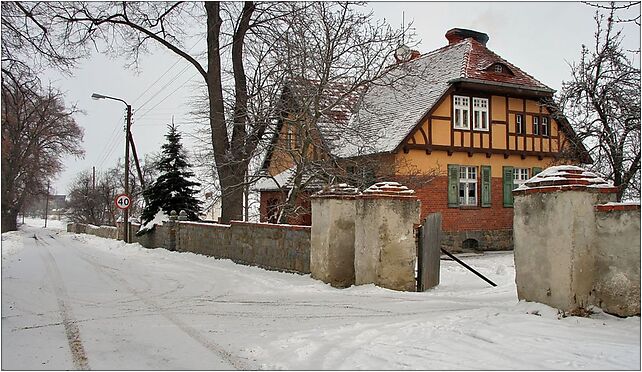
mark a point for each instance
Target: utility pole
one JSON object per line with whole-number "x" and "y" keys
{"x": 47, "y": 204}
{"x": 127, "y": 139}
{"x": 127, "y": 142}
{"x": 93, "y": 178}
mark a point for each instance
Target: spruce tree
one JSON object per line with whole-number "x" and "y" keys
{"x": 173, "y": 189}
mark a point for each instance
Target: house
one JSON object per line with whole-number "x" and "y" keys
{"x": 212, "y": 207}
{"x": 476, "y": 122}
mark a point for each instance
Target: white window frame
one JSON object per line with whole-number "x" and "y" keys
{"x": 289, "y": 136}
{"x": 520, "y": 175}
{"x": 519, "y": 124}
{"x": 468, "y": 185}
{"x": 536, "y": 125}
{"x": 480, "y": 114}
{"x": 545, "y": 127}
{"x": 461, "y": 112}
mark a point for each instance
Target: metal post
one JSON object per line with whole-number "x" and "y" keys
{"x": 247, "y": 198}
{"x": 468, "y": 267}
{"x": 47, "y": 204}
{"x": 126, "y": 211}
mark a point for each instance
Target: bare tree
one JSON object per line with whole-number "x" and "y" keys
{"x": 332, "y": 54}
{"x": 86, "y": 201}
{"x": 131, "y": 28}
{"x": 92, "y": 200}
{"x": 37, "y": 131}
{"x": 603, "y": 103}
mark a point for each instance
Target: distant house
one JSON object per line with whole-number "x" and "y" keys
{"x": 485, "y": 124}
{"x": 211, "y": 208}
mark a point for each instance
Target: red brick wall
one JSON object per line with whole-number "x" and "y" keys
{"x": 303, "y": 201}
{"x": 434, "y": 198}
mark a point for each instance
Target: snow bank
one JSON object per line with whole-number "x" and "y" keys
{"x": 167, "y": 310}
{"x": 12, "y": 243}
{"x": 158, "y": 219}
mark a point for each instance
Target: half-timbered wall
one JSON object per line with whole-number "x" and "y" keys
{"x": 502, "y": 137}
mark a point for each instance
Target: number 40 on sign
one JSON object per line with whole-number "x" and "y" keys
{"x": 122, "y": 201}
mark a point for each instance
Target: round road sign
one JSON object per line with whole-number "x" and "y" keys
{"x": 122, "y": 201}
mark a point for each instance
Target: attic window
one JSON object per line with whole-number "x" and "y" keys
{"x": 499, "y": 68}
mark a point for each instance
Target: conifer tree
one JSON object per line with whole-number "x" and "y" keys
{"x": 173, "y": 189}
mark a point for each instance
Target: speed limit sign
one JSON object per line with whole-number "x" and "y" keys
{"x": 122, "y": 201}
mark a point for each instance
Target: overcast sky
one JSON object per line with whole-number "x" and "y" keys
{"x": 541, "y": 38}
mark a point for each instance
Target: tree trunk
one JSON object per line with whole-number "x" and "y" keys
{"x": 9, "y": 220}
{"x": 231, "y": 160}
{"x": 232, "y": 180}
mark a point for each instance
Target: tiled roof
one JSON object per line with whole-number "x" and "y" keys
{"x": 377, "y": 118}
{"x": 391, "y": 109}
{"x": 479, "y": 61}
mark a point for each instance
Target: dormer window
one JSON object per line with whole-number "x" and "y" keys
{"x": 499, "y": 68}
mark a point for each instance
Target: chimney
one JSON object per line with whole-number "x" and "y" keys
{"x": 456, "y": 35}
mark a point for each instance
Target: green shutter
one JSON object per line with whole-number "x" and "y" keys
{"x": 508, "y": 186}
{"x": 486, "y": 185}
{"x": 453, "y": 185}
{"x": 535, "y": 171}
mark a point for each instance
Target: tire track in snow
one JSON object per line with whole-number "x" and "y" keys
{"x": 217, "y": 349}
{"x": 72, "y": 331}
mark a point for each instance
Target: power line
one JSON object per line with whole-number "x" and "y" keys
{"x": 169, "y": 95}
{"x": 164, "y": 86}
{"x": 165, "y": 73}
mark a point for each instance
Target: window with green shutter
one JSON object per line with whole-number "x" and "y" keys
{"x": 486, "y": 185}
{"x": 453, "y": 185}
{"x": 536, "y": 170}
{"x": 508, "y": 185}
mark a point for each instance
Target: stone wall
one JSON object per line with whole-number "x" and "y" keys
{"x": 617, "y": 258}
{"x": 332, "y": 240}
{"x": 572, "y": 251}
{"x": 276, "y": 247}
{"x": 385, "y": 250}
{"x": 486, "y": 240}
{"x": 109, "y": 232}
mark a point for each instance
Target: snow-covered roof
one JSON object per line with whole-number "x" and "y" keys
{"x": 374, "y": 119}
{"x": 284, "y": 180}
{"x": 274, "y": 183}
{"x": 393, "y": 106}
{"x": 391, "y": 109}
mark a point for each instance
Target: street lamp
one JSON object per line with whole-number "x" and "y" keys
{"x": 127, "y": 139}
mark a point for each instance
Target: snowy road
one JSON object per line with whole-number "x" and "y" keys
{"x": 82, "y": 302}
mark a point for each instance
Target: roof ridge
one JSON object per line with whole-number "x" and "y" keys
{"x": 509, "y": 63}
{"x": 466, "y": 60}
{"x": 438, "y": 50}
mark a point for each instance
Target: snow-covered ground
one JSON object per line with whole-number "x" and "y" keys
{"x": 79, "y": 301}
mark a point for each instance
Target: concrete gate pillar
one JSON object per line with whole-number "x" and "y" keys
{"x": 332, "y": 235}
{"x": 385, "y": 248}
{"x": 554, "y": 229}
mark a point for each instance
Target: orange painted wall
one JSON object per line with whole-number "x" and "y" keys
{"x": 439, "y": 126}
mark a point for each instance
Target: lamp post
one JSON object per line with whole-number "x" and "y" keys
{"x": 127, "y": 139}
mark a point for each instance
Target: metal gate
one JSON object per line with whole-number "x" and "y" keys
{"x": 428, "y": 252}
